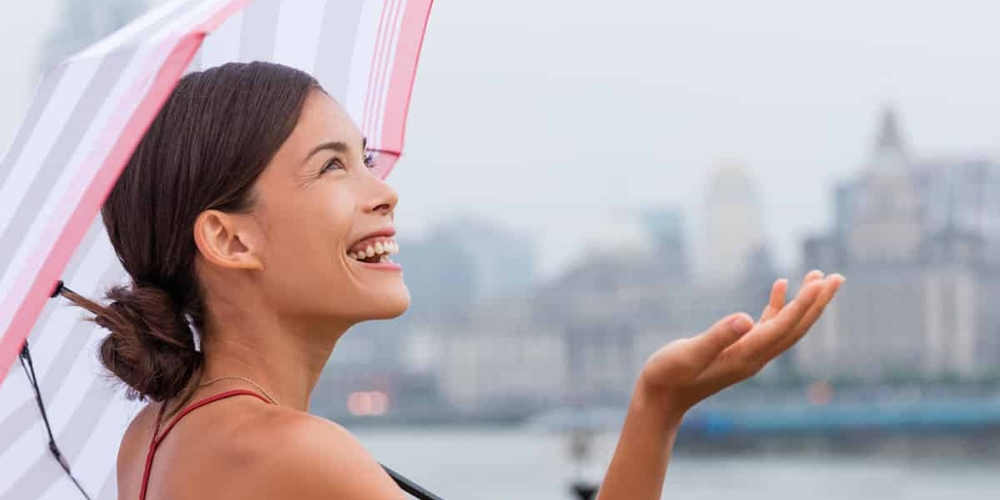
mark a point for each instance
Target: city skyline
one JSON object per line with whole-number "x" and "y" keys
{"x": 916, "y": 236}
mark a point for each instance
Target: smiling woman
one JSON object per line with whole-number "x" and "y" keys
{"x": 250, "y": 211}
{"x": 250, "y": 216}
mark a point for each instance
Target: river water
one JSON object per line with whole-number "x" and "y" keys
{"x": 516, "y": 464}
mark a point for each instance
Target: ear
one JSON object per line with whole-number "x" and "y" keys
{"x": 227, "y": 240}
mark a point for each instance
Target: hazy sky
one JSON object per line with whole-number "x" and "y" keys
{"x": 22, "y": 26}
{"x": 541, "y": 114}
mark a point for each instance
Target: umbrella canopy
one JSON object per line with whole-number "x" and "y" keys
{"x": 87, "y": 117}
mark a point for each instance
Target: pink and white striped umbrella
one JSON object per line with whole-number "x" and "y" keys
{"x": 87, "y": 116}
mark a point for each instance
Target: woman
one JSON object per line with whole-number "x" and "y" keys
{"x": 248, "y": 214}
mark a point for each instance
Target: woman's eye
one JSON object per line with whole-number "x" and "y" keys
{"x": 333, "y": 164}
{"x": 369, "y": 160}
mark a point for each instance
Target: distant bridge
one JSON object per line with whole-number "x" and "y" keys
{"x": 934, "y": 416}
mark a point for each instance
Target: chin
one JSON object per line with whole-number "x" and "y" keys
{"x": 389, "y": 305}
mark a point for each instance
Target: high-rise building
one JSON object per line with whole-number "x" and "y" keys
{"x": 885, "y": 227}
{"x": 733, "y": 225}
{"x": 618, "y": 232}
{"x": 503, "y": 261}
{"x": 666, "y": 229}
{"x": 463, "y": 261}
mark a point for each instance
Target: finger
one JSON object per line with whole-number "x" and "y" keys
{"x": 776, "y": 302}
{"x": 811, "y": 276}
{"x": 771, "y": 310}
{"x": 831, "y": 285}
{"x": 763, "y": 337}
{"x": 707, "y": 346}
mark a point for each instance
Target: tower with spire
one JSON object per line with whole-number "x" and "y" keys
{"x": 886, "y": 213}
{"x": 915, "y": 237}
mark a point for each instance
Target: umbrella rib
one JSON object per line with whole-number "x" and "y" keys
{"x": 29, "y": 370}
{"x": 410, "y": 487}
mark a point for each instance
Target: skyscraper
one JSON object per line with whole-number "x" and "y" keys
{"x": 886, "y": 215}
{"x": 666, "y": 228}
{"x": 733, "y": 225}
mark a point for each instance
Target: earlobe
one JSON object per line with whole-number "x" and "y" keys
{"x": 224, "y": 242}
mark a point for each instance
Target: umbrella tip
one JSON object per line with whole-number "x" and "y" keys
{"x": 58, "y": 289}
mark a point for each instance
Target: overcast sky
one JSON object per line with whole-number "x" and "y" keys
{"x": 541, "y": 115}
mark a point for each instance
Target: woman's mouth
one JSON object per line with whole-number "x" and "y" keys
{"x": 374, "y": 250}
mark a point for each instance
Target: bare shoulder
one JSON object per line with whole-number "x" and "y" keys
{"x": 137, "y": 433}
{"x": 309, "y": 457}
{"x": 133, "y": 448}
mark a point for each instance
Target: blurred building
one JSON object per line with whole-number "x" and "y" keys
{"x": 567, "y": 341}
{"x": 918, "y": 240}
{"x": 618, "y": 232}
{"x": 582, "y": 338}
{"x": 665, "y": 227}
{"x": 503, "y": 260}
{"x": 492, "y": 360}
{"x": 463, "y": 261}
{"x": 733, "y": 224}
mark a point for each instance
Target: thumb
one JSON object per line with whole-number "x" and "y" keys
{"x": 721, "y": 335}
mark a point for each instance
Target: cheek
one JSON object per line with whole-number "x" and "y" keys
{"x": 306, "y": 240}
{"x": 307, "y": 270}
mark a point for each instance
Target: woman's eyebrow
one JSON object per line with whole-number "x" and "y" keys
{"x": 338, "y": 146}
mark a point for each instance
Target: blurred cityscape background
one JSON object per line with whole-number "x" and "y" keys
{"x": 567, "y": 210}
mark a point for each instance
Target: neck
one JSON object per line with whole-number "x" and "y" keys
{"x": 285, "y": 357}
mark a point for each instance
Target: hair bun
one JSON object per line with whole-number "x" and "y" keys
{"x": 151, "y": 346}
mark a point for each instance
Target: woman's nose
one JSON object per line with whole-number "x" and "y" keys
{"x": 383, "y": 197}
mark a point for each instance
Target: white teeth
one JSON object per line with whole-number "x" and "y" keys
{"x": 380, "y": 248}
{"x": 383, "y": 259}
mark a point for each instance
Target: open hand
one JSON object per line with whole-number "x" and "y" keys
{"x": 686, "y": 371}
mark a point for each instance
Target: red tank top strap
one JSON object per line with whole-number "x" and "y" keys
{"x": 158, "y": 437}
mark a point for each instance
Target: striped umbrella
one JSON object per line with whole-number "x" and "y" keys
{"x": 60, "y": 416}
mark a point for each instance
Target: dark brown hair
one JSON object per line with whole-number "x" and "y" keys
{"x": 205, "y": 150}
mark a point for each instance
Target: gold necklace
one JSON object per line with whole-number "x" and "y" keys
{"x": 244, "y": 379}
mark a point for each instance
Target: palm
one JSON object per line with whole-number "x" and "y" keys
{"x": 689, "y": 370}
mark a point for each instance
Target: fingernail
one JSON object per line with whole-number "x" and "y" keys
{"x": 741, "y": 324}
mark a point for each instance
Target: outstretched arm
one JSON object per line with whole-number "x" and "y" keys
{"x": 687, "y": 371}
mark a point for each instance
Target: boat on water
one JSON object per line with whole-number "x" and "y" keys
{"x": 581, "y": 427}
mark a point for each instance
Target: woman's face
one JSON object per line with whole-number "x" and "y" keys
{"x": 326, "y": 222}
